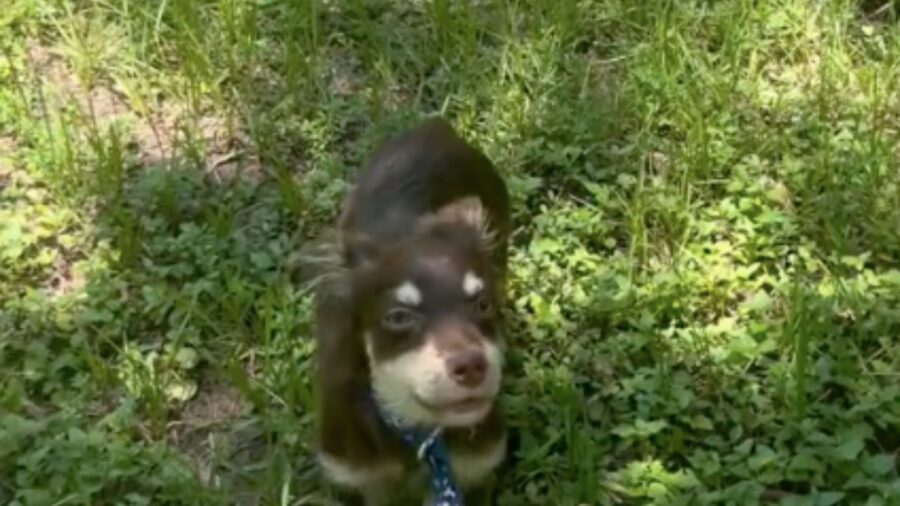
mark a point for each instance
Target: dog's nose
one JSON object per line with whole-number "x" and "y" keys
{"x": 468, "y": 368}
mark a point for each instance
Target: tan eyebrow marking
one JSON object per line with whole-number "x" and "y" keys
{"x": 472, "y": 284}
{"x": 408, "y": 293}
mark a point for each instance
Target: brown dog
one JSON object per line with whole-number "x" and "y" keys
{"x": 408, "y": 322}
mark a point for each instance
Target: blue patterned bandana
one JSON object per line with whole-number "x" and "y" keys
{"x": 430, "y": 448}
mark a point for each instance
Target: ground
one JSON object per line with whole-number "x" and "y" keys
{"x": 706, "y": 265}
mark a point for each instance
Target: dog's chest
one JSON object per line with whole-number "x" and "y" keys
{"x": 469, "y": 467}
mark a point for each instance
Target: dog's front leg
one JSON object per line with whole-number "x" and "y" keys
{"x": 481, "y": 495}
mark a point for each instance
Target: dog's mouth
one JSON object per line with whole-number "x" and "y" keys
{"x": 469, "y": 405}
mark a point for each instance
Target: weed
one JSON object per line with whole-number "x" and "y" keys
{"x": 705, "y": 270}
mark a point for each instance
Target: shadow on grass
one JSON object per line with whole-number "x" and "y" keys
{"x": 186, "y": 312}
{"x": 192, "y": 298}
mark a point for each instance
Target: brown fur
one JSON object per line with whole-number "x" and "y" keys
{"x": 425, "y": 185}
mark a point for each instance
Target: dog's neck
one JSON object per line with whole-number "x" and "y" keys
{"x": 429, "y": 446}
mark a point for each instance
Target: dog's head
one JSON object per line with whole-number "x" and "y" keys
{"x": 428, "y": 308}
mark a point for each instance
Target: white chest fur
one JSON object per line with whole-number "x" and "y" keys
{"x": 471, "y": 468}
{"x": 359, "y": 477}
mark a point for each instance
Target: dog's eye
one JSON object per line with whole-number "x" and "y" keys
{"x": 399, "y": 319}
{"x": 483, "y": 306}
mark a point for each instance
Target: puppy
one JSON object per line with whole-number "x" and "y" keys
{"x": 410, "y": 351}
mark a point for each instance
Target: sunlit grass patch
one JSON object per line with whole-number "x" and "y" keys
{"x": 704, "y": 282}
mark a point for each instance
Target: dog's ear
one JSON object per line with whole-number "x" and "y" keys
{"x": 468, "y": 211}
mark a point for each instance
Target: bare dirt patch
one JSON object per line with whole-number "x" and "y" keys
{"x": 165, "y": 133}
{"x": 206, "y": 426}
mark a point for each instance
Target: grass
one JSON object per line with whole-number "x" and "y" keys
{"x": 706, "y": 268}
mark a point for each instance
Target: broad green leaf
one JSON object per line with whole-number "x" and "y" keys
{"x": 186, "y": 358}
{"x": 657, "y": 490}
{"x": 758, "y": 303}
{"x": 806, "y": 462}
{"x": 701, "y": 422}
{"x": 762, "y": 457}
{"x": 849, "y": 449}
{"x": 828, "y": 498}
{"x": 878, "y": 465}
